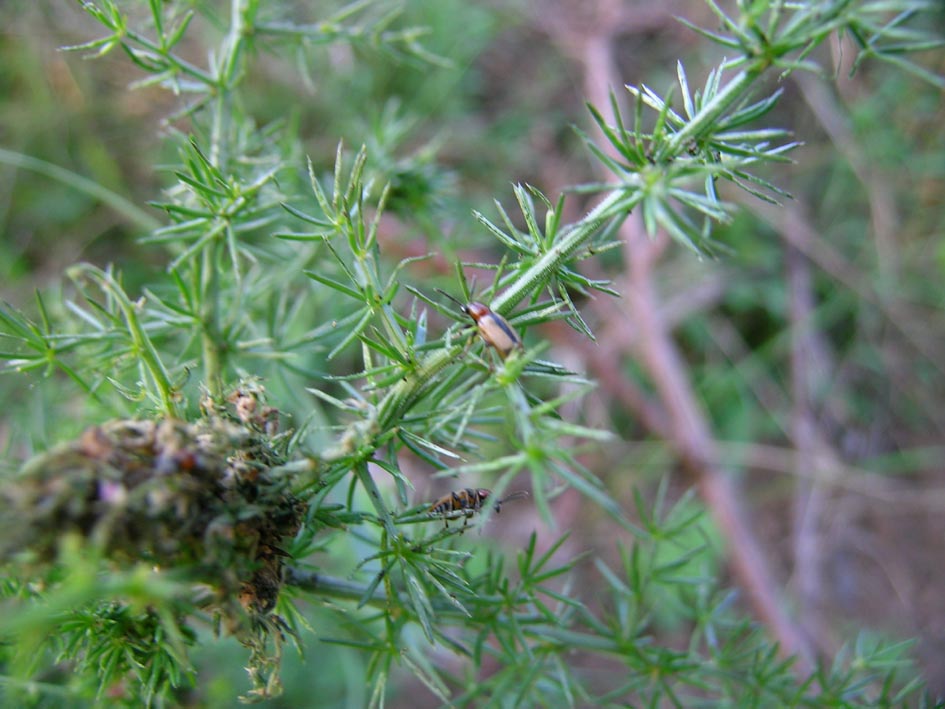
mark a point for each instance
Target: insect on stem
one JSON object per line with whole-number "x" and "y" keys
{"x": 468, "y": 501}
{"x": 493, "y": 328}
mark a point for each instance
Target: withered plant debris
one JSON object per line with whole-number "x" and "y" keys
{"x": 189, "y": 497}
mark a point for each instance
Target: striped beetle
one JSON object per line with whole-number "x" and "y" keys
{"x": 468, "y": 501}
{"x": 493, "y": 328}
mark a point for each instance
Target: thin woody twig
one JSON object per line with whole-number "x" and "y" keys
{"x": 684, "y": 426}
{"x": 795, "y": 227}
{"x": 882, "y": 203}
{"x": 690, "y": 435}
{"x": 809, "y": 497}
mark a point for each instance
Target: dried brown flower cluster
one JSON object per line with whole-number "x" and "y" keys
{"x": 196, "y": 496}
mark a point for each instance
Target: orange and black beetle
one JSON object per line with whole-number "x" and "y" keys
{"x": 493, "y": 328}
{"x": 468, "y": 501}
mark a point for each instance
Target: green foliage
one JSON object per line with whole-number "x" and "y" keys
{"x": 269, "y": 277}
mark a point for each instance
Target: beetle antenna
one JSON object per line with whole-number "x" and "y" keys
{"x": 513, "y": 496}
{"x": 458, "y": 302}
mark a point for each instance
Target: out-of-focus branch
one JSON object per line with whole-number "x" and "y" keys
{"x": 692, "y": 439}
{"x": 682, "y": 422}
{"x": 792, "y": 222}
{"x": 808, "y": 360}
{"x": 842, "y": 476}
{"x": 832, "y": 116}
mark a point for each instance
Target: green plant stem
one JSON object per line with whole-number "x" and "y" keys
{"x": 233, "y": 45}
{"x": 209, "y": 321}
{"x": 122, "y": 206}
{"x": 364, "y": 475}
{"x": 574, "y": 640}
{"x": 227, "y": 70}
{"x": 409, "y": 391}
{"x": 708, "y": 115}
{"x": 139, "y": 337}
{"x": 182, "y": 66}
{"x": 617, "y": 204}
{"x": 330, "y": 586}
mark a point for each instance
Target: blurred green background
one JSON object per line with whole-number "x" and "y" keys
{"x": 868, "y": 185}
